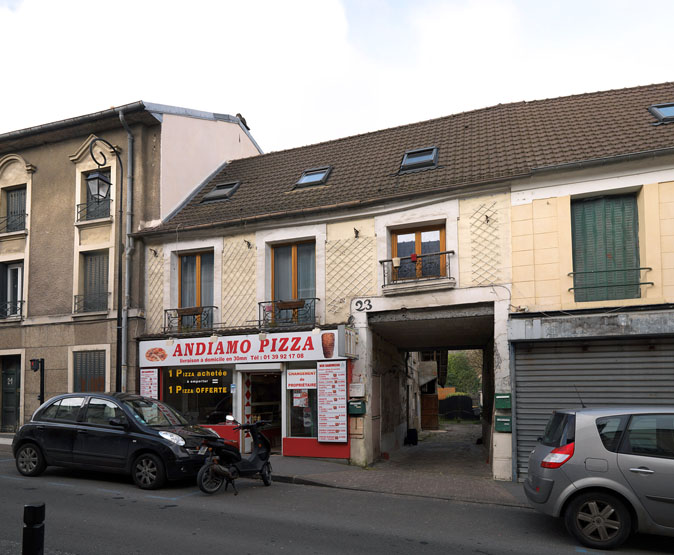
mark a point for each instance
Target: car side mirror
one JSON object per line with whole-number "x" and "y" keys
{"x": 539, "y": 439}
{"x": 118, "y": 422}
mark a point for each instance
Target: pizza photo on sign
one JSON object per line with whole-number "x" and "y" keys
{"x": 156, "y": 354}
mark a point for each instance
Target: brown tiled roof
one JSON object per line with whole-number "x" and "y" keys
{"x": 477, "y": 147}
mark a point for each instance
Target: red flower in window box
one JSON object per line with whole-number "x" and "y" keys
{"x": 413, "y": 257}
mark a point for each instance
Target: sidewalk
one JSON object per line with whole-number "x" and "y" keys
{"x": 438, "y": 467}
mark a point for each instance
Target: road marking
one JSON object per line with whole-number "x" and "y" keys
{"x": 109, "y": 490}
{"x": 61, "y": 484}
{"x": 172, "y": 498}
{"x": 12, "y": 477}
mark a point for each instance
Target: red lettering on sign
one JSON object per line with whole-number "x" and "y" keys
{"x": 232, "y": 346}
{"x": 245, "y": 346}
{"x": 178, "y": 352}
{"x": 189, "y": 349}
{"x": 219, "y": 349}
{"x": 201, "y": 349}
{"x": 295, "y": 345}
{"x": 283, "y": 344}
{"x": 264, "y": 343}
{"x": 308, "y": 345}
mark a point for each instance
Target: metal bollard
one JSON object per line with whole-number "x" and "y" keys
{"x": 33, "y": 529}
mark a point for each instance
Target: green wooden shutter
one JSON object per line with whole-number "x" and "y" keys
{"x": 605, "y": 235}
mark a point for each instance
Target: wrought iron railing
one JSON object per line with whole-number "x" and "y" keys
{"x": 186, "y": 319}
{"x": 15, "y": 222}
{"x": 294, "y": 312}
{"x": 417, "y": 267}
{"x": 95, "y": 302}
{"x": 598, "y": 285}
{"x": 11, "y": 309}
{"x": 93, "y": 210}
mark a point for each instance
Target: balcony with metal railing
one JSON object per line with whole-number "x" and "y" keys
{"x": 189, "y": 319}
{"x": 92, "y": 302}
{"x": 93, "y": 210}
{"x": 11, "y": 310}
{"x": 417, "y": 273}
{"x": 12, "y": 223}
{"x": 605, "y": 285}
{"x": 284, "y": 314}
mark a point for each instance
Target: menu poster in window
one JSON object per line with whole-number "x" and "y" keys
{"x": 301, "y": 398}
{"x": 332, "y": 418}
{"x": 149, "y": 383}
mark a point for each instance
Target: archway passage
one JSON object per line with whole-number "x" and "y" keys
{"x": 409, "y": 365}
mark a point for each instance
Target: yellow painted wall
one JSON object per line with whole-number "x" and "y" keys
{"x": 95, "y": 235}
{"x": 484, "y": 240}
{"x": 154, "y": 276}
{"x": 542, "y": 255}
{"x": 351, "y": 266}
{"x": 239, "y": 301}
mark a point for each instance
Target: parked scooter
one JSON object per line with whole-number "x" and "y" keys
{"x": 224, "y": 463}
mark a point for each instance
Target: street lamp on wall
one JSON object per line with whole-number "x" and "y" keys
{"x": 98, "y": 182}
{"x": 99, "y": 186}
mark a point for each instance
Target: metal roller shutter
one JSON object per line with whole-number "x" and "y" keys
{"x": 556, "y": 375}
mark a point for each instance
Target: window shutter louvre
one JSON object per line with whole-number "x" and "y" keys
{"x": 16, "y": 209}
{"x": 605, "y": 248}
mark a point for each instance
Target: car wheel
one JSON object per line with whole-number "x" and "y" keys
{"x": 266, "y": 474}
{"x": 148, "y": 471}
{"x": 598, "y": 520}
{"x": 29, "y": 460}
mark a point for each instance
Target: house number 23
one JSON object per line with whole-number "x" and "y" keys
{"x": 363, "y": 305}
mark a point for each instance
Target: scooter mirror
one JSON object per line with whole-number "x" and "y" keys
{"x": 230, "y": 418}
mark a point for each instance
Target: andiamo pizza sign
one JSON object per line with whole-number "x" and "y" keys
{"x": 281, "y": 347}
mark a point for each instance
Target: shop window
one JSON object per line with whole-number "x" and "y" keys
{"x": 14, "y": 217}
{"x": 605, "y": 234}
{"x": 302, "y": 400}
{"x": 196, "y": 291}
{"x": 416, "y": 253}
{"x": 11, "y": 289}
{"x": 89, "y": 371}
{"x": 94, "y": 296}
{"x": 203, "y": 395}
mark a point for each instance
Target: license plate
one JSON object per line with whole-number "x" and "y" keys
{"x": 203, "y": 449}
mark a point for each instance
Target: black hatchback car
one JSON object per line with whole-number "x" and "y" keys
{"x": 111, "y": 432}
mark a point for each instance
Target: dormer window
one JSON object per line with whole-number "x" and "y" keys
{"x": 223, "y": 191}
{"x": 314, "y": 176}
{"x": 419, "y": 158}
{"x": 664, "y": 113}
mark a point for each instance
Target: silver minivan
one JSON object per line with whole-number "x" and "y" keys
{"x": 608, "y": 472}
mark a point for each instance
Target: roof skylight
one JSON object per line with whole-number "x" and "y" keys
{"x": 663, "y": 112}
{"x": 223, "y": 191}
{"x": 419, "y": 158}
{"x": 314, "y": 176}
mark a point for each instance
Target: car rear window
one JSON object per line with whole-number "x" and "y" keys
{"x": 611, "y": 430}
{"x": 63, "y": 409}
{"x": 561, "y": 430}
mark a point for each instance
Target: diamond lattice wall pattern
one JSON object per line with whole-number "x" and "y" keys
{"x": 239, "y": 304}
{"x": 485, "y": 244}
{"x": 350, "y": 268}
{"x": 154, "y": 266}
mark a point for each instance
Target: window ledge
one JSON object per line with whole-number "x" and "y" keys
{"x": 13, "y": 234}
{"x": 405, "y": 288}
{"x": 94, "y": 223}
{"x": 11, "y": 319}
{"x": 93, "y": 314}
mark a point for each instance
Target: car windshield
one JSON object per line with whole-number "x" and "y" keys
{"x": 155, "y": 414}
{"x": 561, "y": 430}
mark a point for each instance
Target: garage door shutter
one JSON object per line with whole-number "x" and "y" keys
{"x": 556, "y": 375}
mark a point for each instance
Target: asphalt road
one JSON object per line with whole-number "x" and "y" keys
{"x": 101, "y": 514}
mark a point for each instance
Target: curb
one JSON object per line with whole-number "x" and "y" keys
{"x": 298, "y": 480}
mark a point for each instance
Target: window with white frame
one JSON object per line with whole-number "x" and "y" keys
{"x": 14, "y": 209}
{"x": 11, "y": 289}
{"x": 94, "y": 282}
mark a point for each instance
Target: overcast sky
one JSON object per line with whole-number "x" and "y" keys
{"x": 307, "y": 71}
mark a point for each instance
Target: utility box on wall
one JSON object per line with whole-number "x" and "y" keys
{"x": 502, "y": 400}
{"x": 356, "y": 407}
{"x": 504, "y": 424}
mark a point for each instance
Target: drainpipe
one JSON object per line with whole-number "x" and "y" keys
{"x": 128, "y": 250}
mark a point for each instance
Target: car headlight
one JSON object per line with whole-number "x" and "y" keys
{"x": 173, "y": 438}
